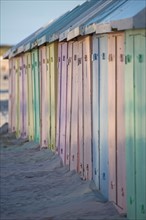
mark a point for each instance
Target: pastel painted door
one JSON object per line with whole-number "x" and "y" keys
{"x": 30, "y": 109}
{"x": 74, "y": 110}
{"x": 86, "y": 56}
{"x": 100, "y": 113}
{"x": 80, "y": 112}
{"x": 13, "y": 95}
{"x": 62, "y": 146}
{"x": 135, "y": 114}
{"x": 10, "y": 94}
{"x": 59, "y": 85}
{"x": 96, "y": 109}
{"x": 36, "y": 94}
{"x": 43, "y": 96}
{"x": 116, "y": 120}
{"x": 23, "y": 98}
{"x": 17, "y": 97}
{"x": 52, "y": 75}
{"x": 69, "y": 102}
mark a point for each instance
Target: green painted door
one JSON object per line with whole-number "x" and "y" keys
{"x": 36, "y": 94}
{"x": 135, "y": 100}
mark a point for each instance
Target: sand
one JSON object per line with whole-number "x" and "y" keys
{"x": 36, "y": 185}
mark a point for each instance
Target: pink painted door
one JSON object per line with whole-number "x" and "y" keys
{"x": 63, "y": 103}
{"x": 74, "y": 110}
{"x": 116, "y": 122}
{"x": 87, "y": 107}
{"x": 43, "y": 94}
{"x": 69, "y": 102}
{"x": 80, "y": 124}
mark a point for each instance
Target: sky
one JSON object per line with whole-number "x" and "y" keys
{"x": 20, "y": 18}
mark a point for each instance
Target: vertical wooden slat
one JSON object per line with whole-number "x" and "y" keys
{"x": 80, "y": 156}
{"x": 111, "y": 117}
{"x": 95, "y": 109}
{"x": 87, "y": 107}
{"x": 140, "y": 121}
{"x": 129, "y": 118}
{"x": 73, "y": 156}
{"x": 43, "y": 93}
{"x": 103, "y": 112}
{"x": 69, "y": 101}
{"x": 30, "y": 97}
{"x": 121, "y": 160}
{"x": 59, "y": 85}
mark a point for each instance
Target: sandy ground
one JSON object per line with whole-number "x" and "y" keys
{"x": 35, "y": 185}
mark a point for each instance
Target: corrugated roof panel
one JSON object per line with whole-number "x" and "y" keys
{"x": 131, "y": 14}
{"x": 100, "y": 11}
{"x": 91, "y": 16}
{"x": 52, "y": 33}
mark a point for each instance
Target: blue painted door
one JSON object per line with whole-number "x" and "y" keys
{"x": 100, "y": 113}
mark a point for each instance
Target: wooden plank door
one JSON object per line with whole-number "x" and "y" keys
{"x": 13, "y": 113}
{"x": 43, "y": 93}
{"x": 63, "y": 103}
{"x": 140, "y": 121}
{"x": 103, "y": 115}
{"x": 73, "y": 156}
{"x": 17, "y": 97}
{"x": 87, "y": 107}
{"x": 30, "y": 97}
{"x": 59, "y": 86}
{"x": 53, "y": 83}
{"x": 69, "y": 102}
{"x": 10, "y": 95}
{"x": 96, "y": 109}
{"x": 80, "y": 121}
{"x": 135, "y": 87}
{"x": 36, "y": 94}
{"x": 129, "y": 125}
{"x": 116, "y": 122}
{"x": 100, "y": 113}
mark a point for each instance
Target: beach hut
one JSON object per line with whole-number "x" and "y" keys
{"x": 90, "y": 88}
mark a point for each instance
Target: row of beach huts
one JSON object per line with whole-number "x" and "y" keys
{"x": 78, "y": 86}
